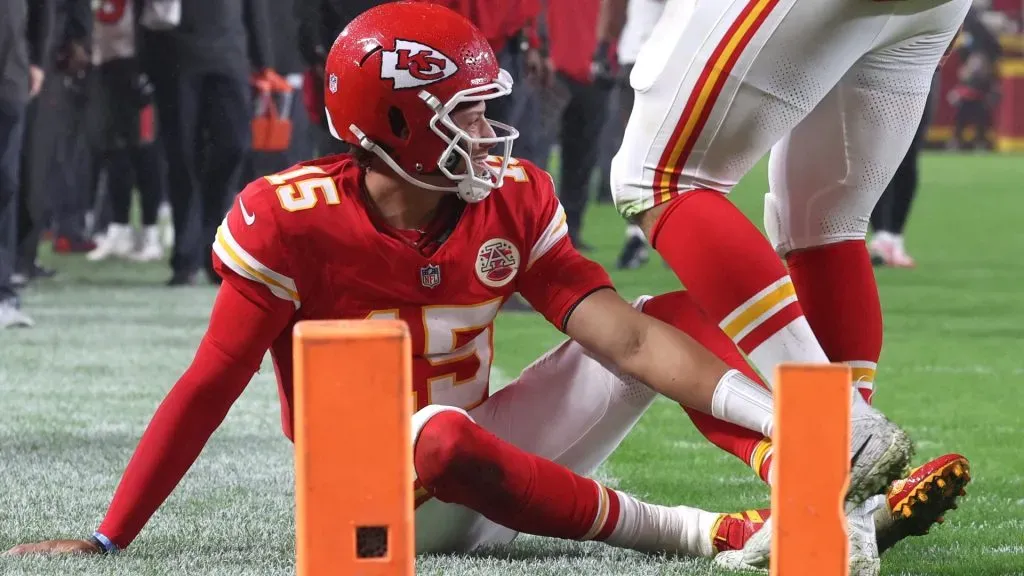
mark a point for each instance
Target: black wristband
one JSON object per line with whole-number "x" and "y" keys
{"x": 103, "y": 543}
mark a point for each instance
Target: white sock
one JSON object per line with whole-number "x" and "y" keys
{"x": 653, "y": 528}
{"x": 794, "y": 342}
{"x": 743, "y": 402}
{"x": 860, "y": 406}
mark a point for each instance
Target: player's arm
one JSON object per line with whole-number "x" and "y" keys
{"x": 240, "y": 332}
{"x": 656, "y": 353}
{"x": 256, "y": 302}
{"x": 611, "y": 19}
{"x": 576, "y": 295}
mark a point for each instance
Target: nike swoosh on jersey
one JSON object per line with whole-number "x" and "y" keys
{"x": 249, "y": 218}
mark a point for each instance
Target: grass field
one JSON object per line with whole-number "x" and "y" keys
{"x": 77, "y": 391}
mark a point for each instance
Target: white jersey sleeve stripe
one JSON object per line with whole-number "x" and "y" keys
{"x": 245, "y": 265}
{"x": 555, "y": 231}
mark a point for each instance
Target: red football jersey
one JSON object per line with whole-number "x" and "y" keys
{"x": 309, "y": 236}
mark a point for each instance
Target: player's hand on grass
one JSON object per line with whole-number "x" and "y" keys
{"x": 55, "y": 547}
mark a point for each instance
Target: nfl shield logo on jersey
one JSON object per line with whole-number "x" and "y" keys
{"x": 332, "y": 84}
{"x": 430, "y": 275}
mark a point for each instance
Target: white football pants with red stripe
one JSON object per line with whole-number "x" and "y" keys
{"x": 835, "y": 89}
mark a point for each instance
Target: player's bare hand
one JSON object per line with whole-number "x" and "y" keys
{"x": 55, "y": 547}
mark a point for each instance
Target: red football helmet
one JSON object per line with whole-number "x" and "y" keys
{"x": 394, "y": 75}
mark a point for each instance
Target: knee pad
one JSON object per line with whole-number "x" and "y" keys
{"x": 774, "y": 225}
{"x": 421, "y": 417}
{"x": 825, "y": 219}
{"x": 617, "y": 179}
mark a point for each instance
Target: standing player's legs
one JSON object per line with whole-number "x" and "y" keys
{"x": 517, "y": 464}
{"x": 829, "y": 172}
{"x": 712, "y": 97}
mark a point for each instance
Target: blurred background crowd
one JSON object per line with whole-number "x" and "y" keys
{"x": 127, "y": 126}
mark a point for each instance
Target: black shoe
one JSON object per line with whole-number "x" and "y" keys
{"x": 180, "y": 278}
{"x": 42, "y": 272}
{"x": 634, "y": 254}
{"x": 22, "y": 278}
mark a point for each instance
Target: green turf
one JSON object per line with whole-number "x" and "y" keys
{"x": 77, "y": 391}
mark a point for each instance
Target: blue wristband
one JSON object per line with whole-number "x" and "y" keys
{"x": 105, "y": 543}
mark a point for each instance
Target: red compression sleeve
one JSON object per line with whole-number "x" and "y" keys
{"x": 240, "y": 332}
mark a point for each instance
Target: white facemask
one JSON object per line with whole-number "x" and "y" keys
{"x": 477, "y": 182}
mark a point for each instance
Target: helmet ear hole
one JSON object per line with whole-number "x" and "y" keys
{"x": 399, "y": 127}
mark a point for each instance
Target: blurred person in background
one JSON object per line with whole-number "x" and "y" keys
{"x": 56, "y": 159}
{"x": 976, "y": 93}
{"x": 200, "y": 67}
{"x": 122, "y": 97}
{"x": 24, "y": 45}
{"x": 288, "y": 62}
{"x": 319, "y": 23}
{"x": 581, "y": 107}
{"x": 631, "y": 22}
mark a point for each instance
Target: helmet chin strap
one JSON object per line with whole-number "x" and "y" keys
{"x": 467, "y": 189}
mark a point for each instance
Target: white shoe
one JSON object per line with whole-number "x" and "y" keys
{"x": 119, "y": 242}
{"x": 860, "y": 530}
{"x": 889, "y": 249}
{"x": 880, "y": 450}
{"x": 151, "y": 249}
{"x": 12, "y": 317}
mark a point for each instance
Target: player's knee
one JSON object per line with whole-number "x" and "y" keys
{"x": 813, "y": 224}
{"x": 444, "y": 448}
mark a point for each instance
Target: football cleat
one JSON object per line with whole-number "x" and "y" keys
{"x": 731, "y": 531}
{"x": 881, "y": 451}
{"x": 755, "y": 555}
{"x": 915, "y": 503}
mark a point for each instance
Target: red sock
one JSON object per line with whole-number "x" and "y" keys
{"x": 732, "y": 273}
{"x": 459, "y": 462}
{"x": 679, "y": 310}
{"x": 836, "y": 286}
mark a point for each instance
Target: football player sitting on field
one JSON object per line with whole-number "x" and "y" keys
{"x": 424, "y": 222}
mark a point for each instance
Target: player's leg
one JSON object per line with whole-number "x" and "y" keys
{"x": 712, "y": 97}
{"x": 447, "y": 527}
{"x": 680, "y": 310}
{"x": 909, "y": 507}
{"x": 826, "y": 177}
{"x": 520, "y": 458}
{"x": 829, "y": 172}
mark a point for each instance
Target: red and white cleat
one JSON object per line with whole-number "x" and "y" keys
{"x": 916, "y": 503}
{"x": 731, "y": 531}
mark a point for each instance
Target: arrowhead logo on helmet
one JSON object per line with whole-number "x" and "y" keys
{"x": 411, "y": 65}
